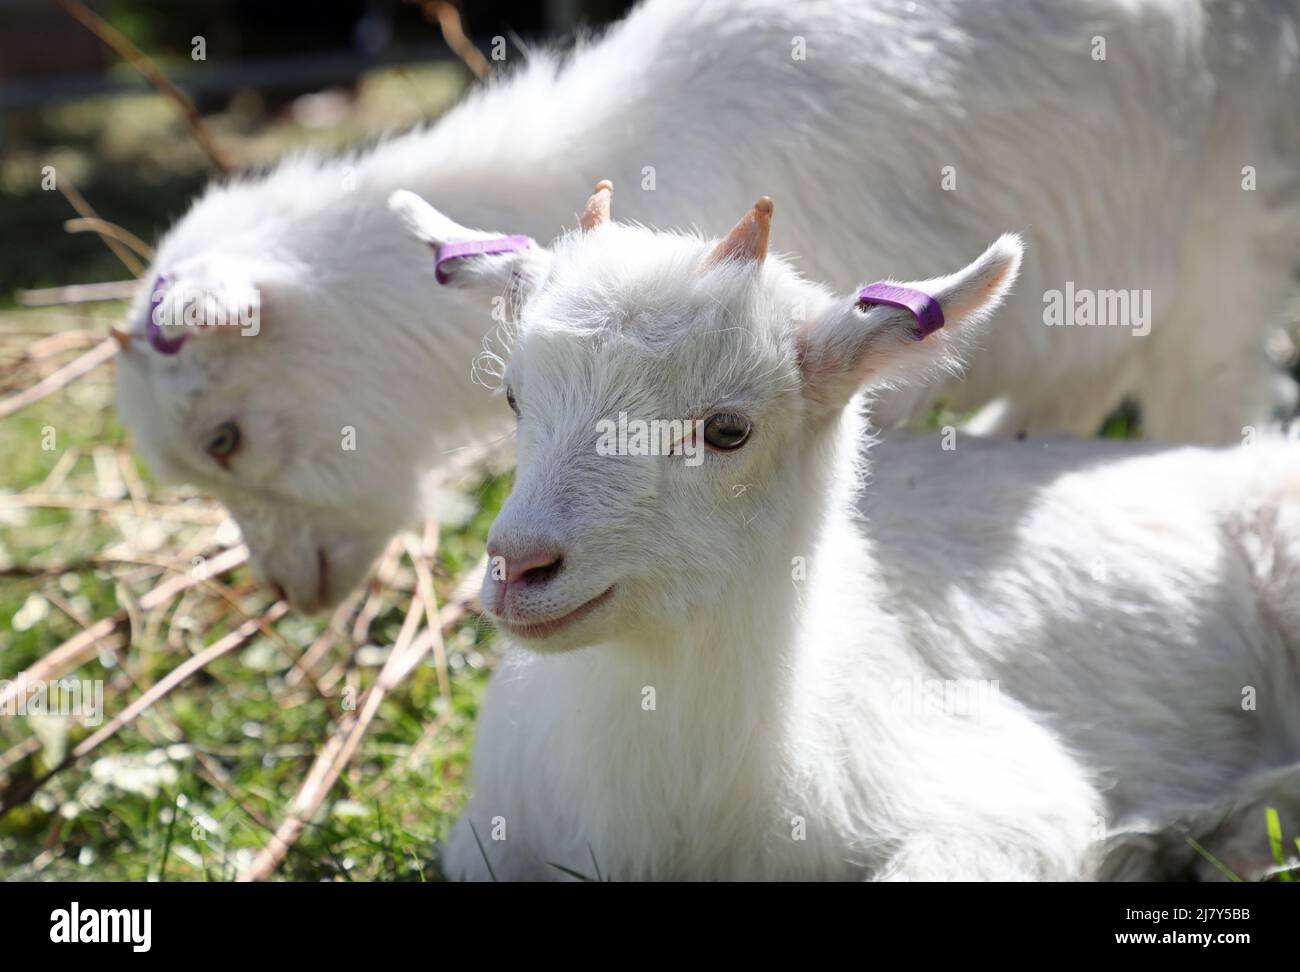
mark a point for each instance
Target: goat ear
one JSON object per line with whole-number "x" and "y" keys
{"x": 465, "y": 257}
{"x": 861, "y": 341}
{"x": 200, "y": 299}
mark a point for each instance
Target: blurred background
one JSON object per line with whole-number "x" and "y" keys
{"x": 226, "y": 719}
{"x": 272, "y": 75}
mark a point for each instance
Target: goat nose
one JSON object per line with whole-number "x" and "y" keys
{"x": 533, "y": 567}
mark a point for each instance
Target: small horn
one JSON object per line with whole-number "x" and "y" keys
{"x": 121, "y": 337}
{"x": 748, "y": 238}
{"x": 596, "y": 211}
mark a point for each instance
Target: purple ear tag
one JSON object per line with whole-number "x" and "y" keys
{"x": 157, "y": 340}
{"x": 464, "y": 248}
{"x": 923, "y": 307}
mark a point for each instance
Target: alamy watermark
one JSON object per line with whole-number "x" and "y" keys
{"x": 964, "y": 697}
{"x": 1082, "y": 307}
{"x": 65, "y": 697}
{"x": 76, "y": 925}
{"x": 239, "y": 307}
{"x": 651, "y": 437}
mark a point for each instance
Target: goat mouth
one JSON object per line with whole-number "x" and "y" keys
{"x": 544, "y": 629}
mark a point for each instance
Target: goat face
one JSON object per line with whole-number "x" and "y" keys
{"x": 273, "y": 421}
{"x": 655, "y": 440}
{"x": 714, "y": 355}
{"x": 670, "y": 396}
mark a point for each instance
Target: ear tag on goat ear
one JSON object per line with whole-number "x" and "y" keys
{"x": 157, "y": 340}
{"x": 464, "y": 248}
{"x": 923, "y": 307}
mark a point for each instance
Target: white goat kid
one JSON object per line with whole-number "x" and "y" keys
{"x": 754, "y": 697}
{"x": 317, "y": 432}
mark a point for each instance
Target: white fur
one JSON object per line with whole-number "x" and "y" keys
{"x": 1123, "y": 174}
{"x": 1121, "y": 595}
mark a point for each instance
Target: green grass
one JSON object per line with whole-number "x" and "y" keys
{"x": 147, "y": 805}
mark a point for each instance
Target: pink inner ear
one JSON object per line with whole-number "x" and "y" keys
{"x": 822, "y": 372}
{"x": 833, "y": 359}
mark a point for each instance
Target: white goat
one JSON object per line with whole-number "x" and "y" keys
{"x": 762, "y": 690}
{"x": 1124, "y": 173}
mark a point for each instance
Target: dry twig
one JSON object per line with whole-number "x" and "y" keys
{"x": 86, "y": 211}
{"x": 157, "y": 691}
{"x": 111, "y": 231}
{"x": 81, "y": 647}
{"x": 447, "y": 17}
{"x": 339, "y": 750}
{"x": 141, "y": 62}
{"x": 66, "y": 375}
{"x": 77, "y": 293}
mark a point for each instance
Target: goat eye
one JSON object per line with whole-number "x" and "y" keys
{"x": 726, "y": 430}
{"x": 224, "y": 441}
{"x": 510, "y": 400}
